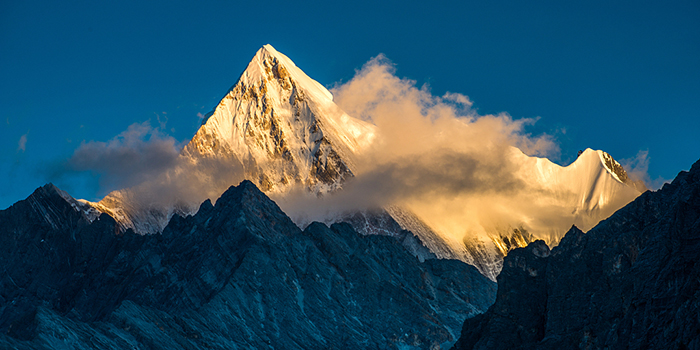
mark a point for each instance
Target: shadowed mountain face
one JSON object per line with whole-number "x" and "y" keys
{"x": 632, "y": 282}
{"x": 239, "y": 274}
{"x": 283, "y": 131}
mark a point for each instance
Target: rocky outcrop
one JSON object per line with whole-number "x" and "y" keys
{"x": 238, "y": 274}
{"x": 632, "y": 282}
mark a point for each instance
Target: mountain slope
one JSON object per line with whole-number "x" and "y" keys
{"x": 588, "y": 190}
{"x": 281, "y": 130}
{"x": 591, "y": 188}
{"x": 632, "y": 282}
{"x": 283, "y": 127}
{"x": 238, "y": 274}
{"x": 275, "y": 127}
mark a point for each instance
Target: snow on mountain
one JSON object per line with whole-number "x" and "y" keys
{"x": 285, "y": 133}
{"x": 583, "y": 193}
{"x": 132, "y": 213}
{"x": 593, "y": 187}
{"x": 280, "y": 126}
{"x": 284, "y": 129}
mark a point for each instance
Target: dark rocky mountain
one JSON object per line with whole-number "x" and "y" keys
{"x": 632, "y": 282}
{"x": 238, "y": 274}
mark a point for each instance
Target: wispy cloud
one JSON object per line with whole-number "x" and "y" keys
{"x": 162, "y": 119}
{"x": 132, "y": 157}
{"x": 637, "y": 169}
{"x": 146, "y": 163}
{"x": 22, "y": 143}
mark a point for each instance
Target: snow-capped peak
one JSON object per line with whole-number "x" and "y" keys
{"x": 283, "y": 131}
{"x": 593, "y": 186}
{"x": 613, "y": 167}
{"x": 276, "y": 127}
{"x": 270, "y": 63}
{"x": 283, "y": 127}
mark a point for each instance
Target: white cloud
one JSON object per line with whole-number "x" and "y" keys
{"x": 22, "y": 144}
{"x": 637, "y": 169}
{"x": 433, "y": 154}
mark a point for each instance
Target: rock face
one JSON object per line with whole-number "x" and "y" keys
{"x": 276, "y": 127}
{"x": 238, "y": 274}
{"x": 282, "y": 130}
{"x": 632, "y": 282}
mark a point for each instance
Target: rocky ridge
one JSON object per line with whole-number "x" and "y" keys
{"x": 238, "y": 274}
{"x": 632, "y": 282}
{"x": 283, "y": 127}
{"x": 281, "y": 130}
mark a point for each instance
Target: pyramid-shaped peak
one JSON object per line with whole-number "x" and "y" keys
{"x": 50, "y": 189}
{"x": 47, "y": 191}
{"x": 245, "y": 192}
{"x": 283, "y": 129}
{"x": 268, "y": 51}
{"x": 268, "y": 63}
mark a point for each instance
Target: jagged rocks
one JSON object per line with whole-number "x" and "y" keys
{"x": 632, "y": 282}
{"x": 238, "y": 274}
{"x": 521, "y": 303}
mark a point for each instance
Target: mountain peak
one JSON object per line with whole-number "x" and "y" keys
{"x": 269, "y": 65}
{"x": 276, "y": 127}
{"x": 613, "y": 167}
{"x": 251, "y": 208}
{"x": 283, "y": 127}
{"x": 638, "y": 268}
{"x": 50, "y": 188}
{"x": 48, "y": 207}
{"x": 245, "y": 189}
{"x": 268, "y": 50}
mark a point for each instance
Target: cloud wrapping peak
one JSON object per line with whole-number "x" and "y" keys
{"x": 435, "y": 155}
{"x": 132, "y": 157}
{"x": 412, "y": 120}
{"x": 145, "y": 166}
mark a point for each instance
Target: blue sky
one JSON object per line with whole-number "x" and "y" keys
{"x": 618, "y": 76}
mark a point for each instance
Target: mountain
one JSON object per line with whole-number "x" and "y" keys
{"x": 276, "y": 127}
{"x": 281, "y": 130}
{"x": 284, "y": 129}
{"x": 588, "y": 190}
{"x": 592, "y": 188}
{"x": 238, "y": 274}
{"x": 631, "y": 282}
